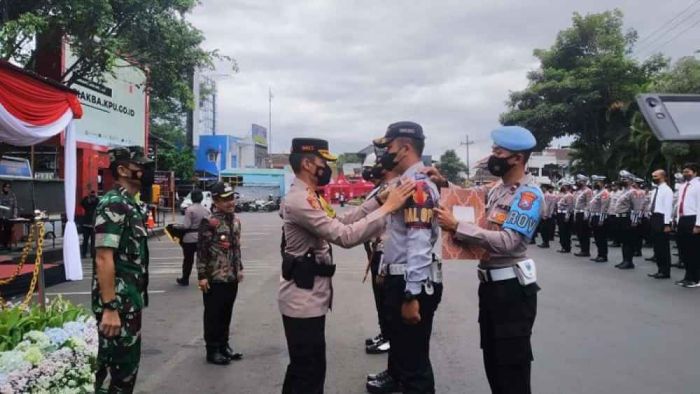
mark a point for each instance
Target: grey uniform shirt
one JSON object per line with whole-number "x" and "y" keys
{"x": 194, "y": 215}
{"x": 600, "y": 202}
{"x": 624, "y": 202}
{"x": 583, "y": 198}
{"x": 612, "y": 207}
{"x": 411, "y": 232}
{"x": 565, "y": 204}
{"x": 505, "y": 246}
{"x": 307, "y": 225}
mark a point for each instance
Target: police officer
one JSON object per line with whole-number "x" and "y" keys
{"x": 120, "y": 272}
{"x": 309, "y": 226}
{"x": 582, "y": 199}
{"x": 219, "y": 270}
{"x": 627, "y": 219}
{"x": 508, "y": 290}
{"x": 373, "y": 172}
{"x": 565, "y": 210}
{"x": 598, "y": 210}
{"x": 613, "y": 233}
{"x": 413, "y": 283}
{"x": 548, "y": 223}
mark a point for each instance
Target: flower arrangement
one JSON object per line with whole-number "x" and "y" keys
{"x": 56, "y": 359}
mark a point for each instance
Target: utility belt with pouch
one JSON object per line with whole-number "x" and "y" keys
{"x": 304, "y": 269}
{"x": 435, "y": 275}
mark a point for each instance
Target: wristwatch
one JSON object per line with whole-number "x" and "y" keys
{"x": 408, "y": 296}
{"x": 111, "y": 304}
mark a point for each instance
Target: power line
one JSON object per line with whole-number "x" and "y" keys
{"x": 649, "y": 44}
{"x": 668, "y": 22}
{"x": 676, "y": 36}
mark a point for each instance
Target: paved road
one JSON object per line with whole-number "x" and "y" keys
{"x": 599, "y": 329}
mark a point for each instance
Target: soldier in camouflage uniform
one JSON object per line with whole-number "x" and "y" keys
{"x": 219, "y": 269}
{"x": 120, "y": 273}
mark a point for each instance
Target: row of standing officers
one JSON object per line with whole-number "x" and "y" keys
{"x": 627, "y": 213}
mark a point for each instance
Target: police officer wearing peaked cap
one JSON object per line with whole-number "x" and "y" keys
{"x": 309, "y": 226}
{"x": 508, "y": 290}
{"x": 413, "y": 283}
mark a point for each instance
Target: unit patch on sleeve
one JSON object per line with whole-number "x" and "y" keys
{"x": 524, "y": 215}
{"x": 418, "y": 212}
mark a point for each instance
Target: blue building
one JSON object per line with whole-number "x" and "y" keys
{"x": 259, "y": 183}
{"x": 217, "y": 152}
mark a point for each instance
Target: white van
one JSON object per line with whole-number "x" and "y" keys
{"x": 206, "y": 201}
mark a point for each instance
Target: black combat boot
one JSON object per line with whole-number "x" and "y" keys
{"x": 214, "y": 356}
{"x": 229, "y": 354}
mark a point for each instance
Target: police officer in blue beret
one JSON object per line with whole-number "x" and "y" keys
{"x": 508, "y": 290}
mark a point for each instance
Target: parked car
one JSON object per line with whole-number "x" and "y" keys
{"x": 206, "y": 201}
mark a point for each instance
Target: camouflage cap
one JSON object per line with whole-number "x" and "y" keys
{"x": 131, "y": 154}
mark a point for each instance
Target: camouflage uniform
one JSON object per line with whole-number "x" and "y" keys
{"x": 219, "y": 261}
{"x": 120, "y": 225}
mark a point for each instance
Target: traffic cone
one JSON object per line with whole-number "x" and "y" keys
{"x": 150, "y": 223}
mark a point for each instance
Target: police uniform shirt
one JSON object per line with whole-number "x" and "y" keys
{"x": 600, "y": 202}
{"x": 412, "y": 232}
{"x": 583, "y": 198}
{"x": 638, "y": 198}
{"x": 307, "y": 225}
{"x": 624, "y": 202}
{"x": 506, "y": 245}
{"x": 551, "y": 201}
{"x": 612, "y": 206}
{"x": 689, "y": 200}
{"x": 566, "y": 203}
{"x": 194, "y": 215}
{"x": 662, "y": 202}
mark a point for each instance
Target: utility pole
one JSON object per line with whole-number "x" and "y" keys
{"x": 466, "y": 143}
{"x": 269, "y": 122}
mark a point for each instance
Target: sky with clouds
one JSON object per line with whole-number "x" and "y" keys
{"x": 344, "y": 70}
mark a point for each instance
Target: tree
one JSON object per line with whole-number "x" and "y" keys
{"x": 155, "y": 34}
{"x": 585, "y": 88}
{"x": 452, "y": 167}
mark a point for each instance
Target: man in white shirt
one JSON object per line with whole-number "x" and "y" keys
{"x": 661, "y": 210}
{"x": 689, "y": 226}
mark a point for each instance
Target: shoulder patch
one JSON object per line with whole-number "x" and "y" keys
{"x": 524, "y": 215}
{"x": 313, "y": 201}
{"x": 418, "y": 211}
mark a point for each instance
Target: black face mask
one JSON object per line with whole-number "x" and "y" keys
{"x": 367, "y": 174}
{"x": 323, "y": 174}
{"x": 656, "y": 181}
{"x": 687, "y": 177}
{"x": 388, "y": 160}
{"x": 499, "y": 166}
{"x": 597, "y": 187}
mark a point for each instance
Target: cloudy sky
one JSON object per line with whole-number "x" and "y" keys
{"x": 344, "y": 70}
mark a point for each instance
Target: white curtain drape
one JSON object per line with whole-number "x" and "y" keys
{"x": 16, "y": 132}
{"x": 71, "y": 250}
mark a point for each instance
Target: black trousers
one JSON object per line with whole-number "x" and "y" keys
{"x": 378, "y": 292}
{"x": 188, "y": 251}
{"x": 409, "y": 355}
{"x": 611, "y": 224}
{"x": 600, "y": 235}
{"x": 5, "y": 232}
{"x": 662, "y": 251}
{"x": 628, "y": 238}
{"x": 218, "y": 309}
{"x": 689, "y": 247}
{"x": 547, "y": 227}
{"x": 507, "y": 312}
{"x": 583, "y": 232}
{"x": 564, "y": 231}
{"x": 306, "y": 343}
{"x": 88, "y": 239}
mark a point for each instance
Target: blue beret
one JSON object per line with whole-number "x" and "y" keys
{"x": 513, "y": 138}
